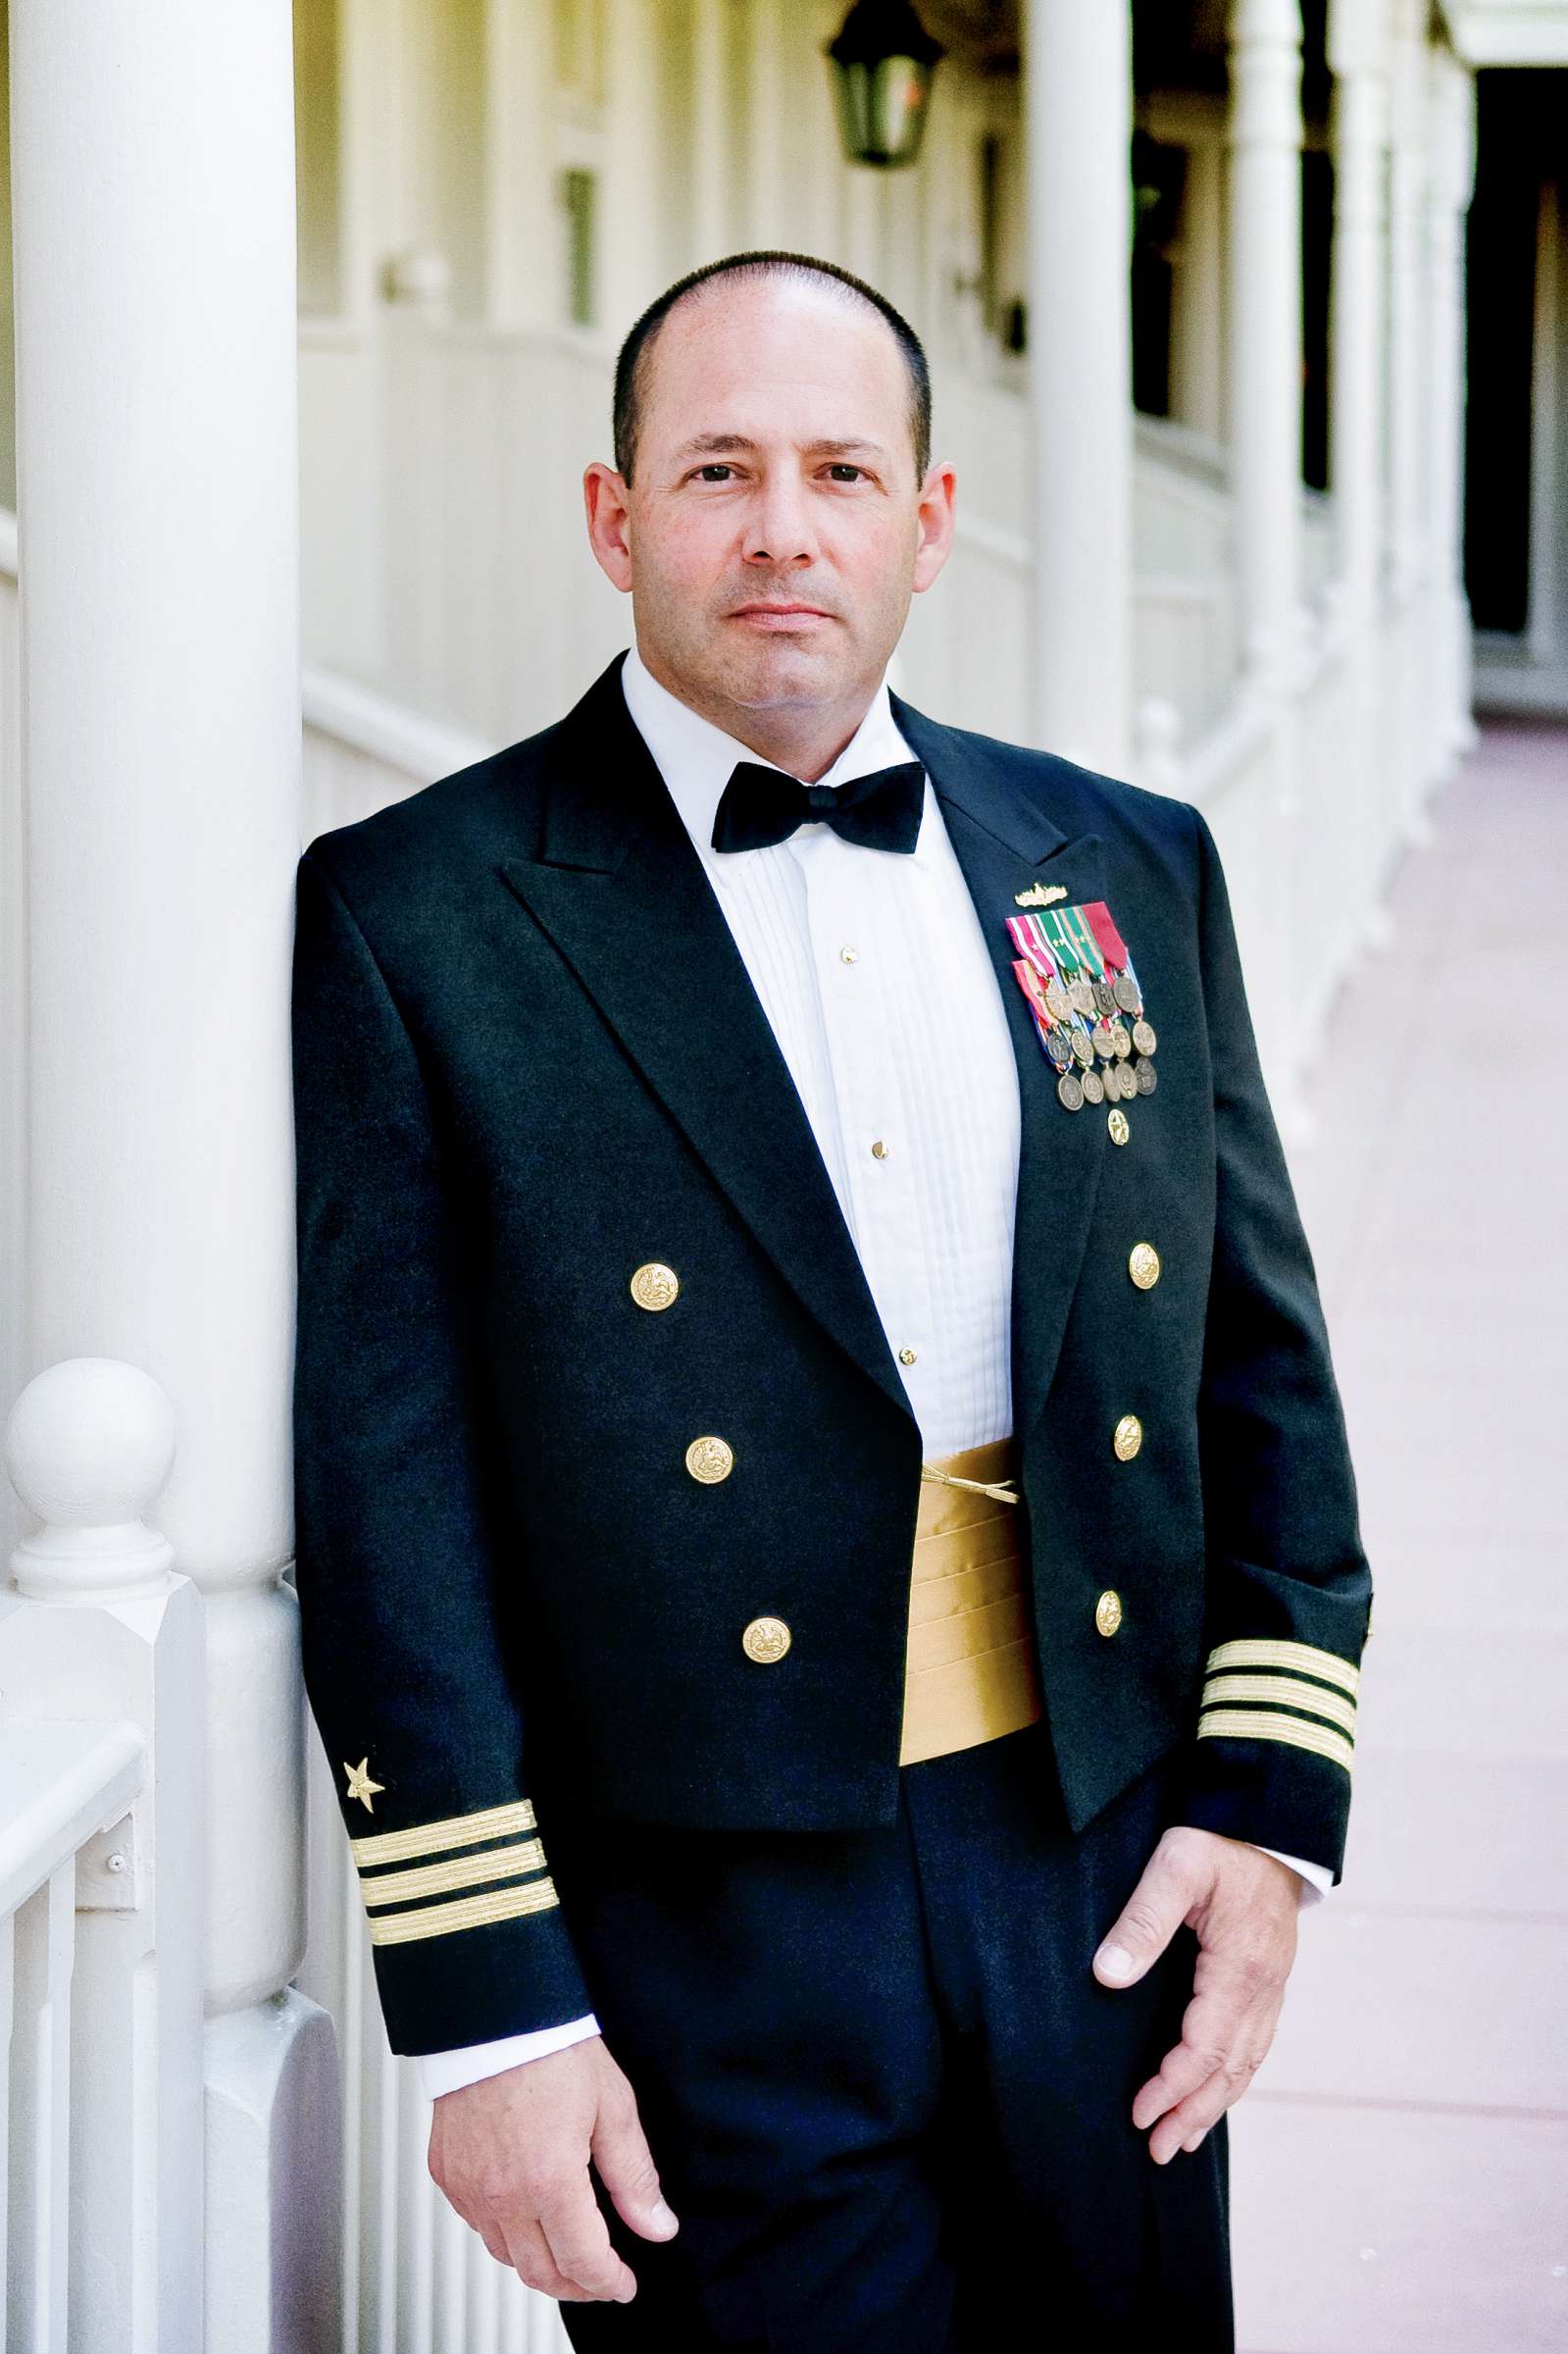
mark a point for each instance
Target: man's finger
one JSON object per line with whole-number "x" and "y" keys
{"x": 579, "y": 2242}
{"x": 1184, "y": 2125}
{"x": 625, "y": 2166}
{"x": 494, "y": 2238}
{"x": 528, "y": 2252}
{"x": 1215, "y": 2021}
{"x": 1166, "y": 1892}
{"x": 1233, "y": 2011}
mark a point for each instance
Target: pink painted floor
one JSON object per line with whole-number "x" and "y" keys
{"x": 1400, "y": 2167}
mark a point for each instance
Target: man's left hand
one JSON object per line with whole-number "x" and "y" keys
{"x": 1242, "y": 1905}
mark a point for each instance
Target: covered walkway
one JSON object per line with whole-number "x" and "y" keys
{"x": 1401, "y": 2165}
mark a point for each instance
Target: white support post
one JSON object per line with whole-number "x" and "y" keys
{"x": 634, "y": 185}
{"x": 1078, "y": 102}
{"x": 1265, "y": 339}
{"x": 1451, "y": 185}
{"x": 158, "y": 505}
{"x": 1409, "y": 429}
{"x": 1265, "y": 137}
{"x": 708, "y": 178}
{"x": 1358, "y": 54}
{"x": 771, "y": 139}
{"x": 520, "y": 231}
{"x": 1197, "y": 329}
{"x": 1358, "y": 48}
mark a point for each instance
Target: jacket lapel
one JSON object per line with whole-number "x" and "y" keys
{"x": 620, "y": 889}
{"x": 1004, "y": 842}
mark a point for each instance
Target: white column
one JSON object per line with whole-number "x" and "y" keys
{"x": 1264, "y": 432}
{"x": 1265, "y": 339}
{"x": 1546, "y": 569}
{"x": 1359, "y": 53}
{"x": 1077, "y": 127}
{"x": 520, "y": 227}
{"x": 708, "y": 176}
{"x": 772, "y": 140}
{"x": 158, "y": 507}
{"x": 1451, "y": 185}
{"x": 1408, "y": 461}
{"x": 633, "y": 272}
{"x": 1197, "y": 329}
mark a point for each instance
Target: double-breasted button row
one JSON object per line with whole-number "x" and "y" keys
{"x": 1144, "y": 1267}
{"x": 709, "y": 1458}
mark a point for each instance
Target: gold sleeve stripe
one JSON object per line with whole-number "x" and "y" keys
{"x": 1285, "y": 1693}
{"x": 1262, "y": 1651}
{"x": 468, "y": 1913}
{"x": 458, "y": 1871}
{"x": 1260, "y": 1725}
{"x": 454, "y": 1830}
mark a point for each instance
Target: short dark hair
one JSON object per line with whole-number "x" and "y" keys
{"x": 631, "y": 367}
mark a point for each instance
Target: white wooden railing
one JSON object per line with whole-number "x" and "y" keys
{"x": 101, "y": 1828}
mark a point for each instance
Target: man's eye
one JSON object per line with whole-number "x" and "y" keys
{"x": 718, "y": 472}
{"x": 843, "y": 471}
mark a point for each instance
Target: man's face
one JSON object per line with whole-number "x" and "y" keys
{"x": 775, "y": 527}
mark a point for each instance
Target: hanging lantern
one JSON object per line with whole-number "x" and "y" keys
{"x": 883, "y": 63}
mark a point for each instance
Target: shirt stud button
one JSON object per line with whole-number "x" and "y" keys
{"x": 849, "y": 956}
{"x": 906, "y": 1356}
{"x": 878, "y": 1150}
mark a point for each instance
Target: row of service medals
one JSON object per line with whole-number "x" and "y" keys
{"x": 1074, "y": 968}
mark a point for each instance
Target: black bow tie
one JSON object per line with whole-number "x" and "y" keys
{"x": 761, "y": 805}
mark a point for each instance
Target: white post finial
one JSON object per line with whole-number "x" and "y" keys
{"x": 88, "y": 1447}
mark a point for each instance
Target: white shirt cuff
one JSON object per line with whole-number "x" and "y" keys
{"x": 445, "y": 2071}
{"x": 1316, "y": 1879}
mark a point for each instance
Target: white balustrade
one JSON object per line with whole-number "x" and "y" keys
{"x": 101, "y": 1849}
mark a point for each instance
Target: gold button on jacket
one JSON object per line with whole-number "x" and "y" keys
{"x": 1144, "y": 1265}
{"x": 1126, "y": 1438}
{"x": 654, "y": 1285}
{"x": 1108, "y": 1611}
{"x": 765, "y": 1640}
{"x": 709, "y": 1458}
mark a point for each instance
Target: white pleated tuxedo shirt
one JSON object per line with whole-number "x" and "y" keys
{"x": 874, "y": 973}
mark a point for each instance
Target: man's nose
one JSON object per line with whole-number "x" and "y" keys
{"x": 779, "y": 529}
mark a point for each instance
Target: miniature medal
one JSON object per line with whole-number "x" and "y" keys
{"x": 1084, "y": 992}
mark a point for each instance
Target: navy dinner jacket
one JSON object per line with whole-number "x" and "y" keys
{"x": 528, "y": 1062}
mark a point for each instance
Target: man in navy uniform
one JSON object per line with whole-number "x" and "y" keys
{"x": 828, "y": 1555}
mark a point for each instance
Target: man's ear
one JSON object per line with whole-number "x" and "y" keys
{"x": 606, "y": 505}
{"x": 937, "y": 511}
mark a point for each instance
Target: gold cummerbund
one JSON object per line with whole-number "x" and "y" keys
{"x": 970, "y": 1674}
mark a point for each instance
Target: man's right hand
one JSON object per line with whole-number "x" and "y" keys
{"x": 512, "y": 2153}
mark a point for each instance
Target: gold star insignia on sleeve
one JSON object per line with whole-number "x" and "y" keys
{"x": 360, "y": 1785}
